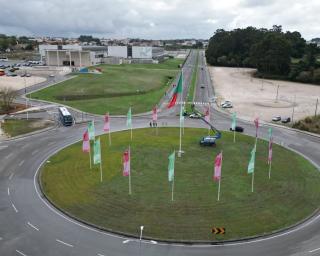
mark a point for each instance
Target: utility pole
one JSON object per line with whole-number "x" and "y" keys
{"x": 315, "y": 112}
{"x": 277, "y": 93}
{"x": 294, "y": 103}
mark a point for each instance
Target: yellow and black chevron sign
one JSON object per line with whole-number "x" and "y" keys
{"x": 218, "y": 231}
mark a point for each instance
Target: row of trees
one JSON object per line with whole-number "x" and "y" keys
{"x": 274, "y": 53}
{"x": 11, "y": 41}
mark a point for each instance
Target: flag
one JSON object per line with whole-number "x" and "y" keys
{"x": 96, "y": 152}
{"x": 129, "y": 118}
{"x": 176, "y": 92}
{"x": 270, "y": 146}
{"x": 217, "y": 167}
{"x": 234, "y": 121}
{"x": 126, "y": 162}
{"x": 91, "y": 130}
{"x": 207, "y": 115}
{"x": 155, "y": 114}
{"x": 256, "y": 123}
{"x": 106, "y": 126}
{"x": 252, "y": 160}
{"x": 171, "y": 167}
{"x": 85, "y": 142}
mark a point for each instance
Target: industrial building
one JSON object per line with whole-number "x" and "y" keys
{"x": 80, "y": 56}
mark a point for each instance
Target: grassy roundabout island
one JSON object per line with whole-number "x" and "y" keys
{"x": 291, "y": 195}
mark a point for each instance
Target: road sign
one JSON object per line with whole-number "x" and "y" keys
{"x": 218, "y": 231}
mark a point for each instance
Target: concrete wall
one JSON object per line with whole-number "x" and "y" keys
{"x": 139, "y": 52}
{"x": 57, "y": 58}
{"x": 118, "y": 51}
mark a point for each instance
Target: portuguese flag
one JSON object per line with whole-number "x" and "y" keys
{"x": 177, "y": 91}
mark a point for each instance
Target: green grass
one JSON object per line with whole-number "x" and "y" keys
{"x": 14, "y": 128}
{"x": 192, "y": 88}
{"x": 118, "y": 88}
{"x": 291, "y": 195}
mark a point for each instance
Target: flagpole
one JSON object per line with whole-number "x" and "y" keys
{"x": 90, "y": 154}
{"x": 131, "y": 131}
{"x": 234, "y": 135}
{"x": 130, "y": 171}
{"x": 252, "y": 181}
{"x": 109, "y": 138}
{"x": 220, "y": 179}
{"x": 270, "y": 170}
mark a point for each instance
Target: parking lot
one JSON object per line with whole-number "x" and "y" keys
{"x": 253, "y": 97}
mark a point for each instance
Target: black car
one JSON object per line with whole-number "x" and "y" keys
{"x": 286, "y": 120}
{"x": 238, "y": 129}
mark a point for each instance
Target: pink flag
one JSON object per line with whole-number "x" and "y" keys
{"x": 86, "y": 142}
{"x": 126, "y": 163}
{"x": 155, "y": 114}
{"x": 217, "y": 167}
{"x": 256, "y": 123}
{"x": 106, "y": 126}
{"x": 207, "y": 115}
{"x": 270, "y": 151}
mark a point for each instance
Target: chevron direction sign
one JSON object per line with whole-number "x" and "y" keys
{"x": 218, "y": 231}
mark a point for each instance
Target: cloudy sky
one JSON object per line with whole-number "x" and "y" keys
{"x": 156, "y": 19}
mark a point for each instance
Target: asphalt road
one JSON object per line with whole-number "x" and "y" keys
{"x": 30, "y": 226}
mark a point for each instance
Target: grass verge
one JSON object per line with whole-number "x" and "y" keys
{"x": 291, "y": 195}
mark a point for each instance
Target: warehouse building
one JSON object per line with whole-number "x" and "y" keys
{"x": 80, "y": 56}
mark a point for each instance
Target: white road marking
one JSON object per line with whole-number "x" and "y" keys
{"x": 21, "y": 253}
{"x": 318, "y": 249}
{"x": 35, "y": 152}
{"x": 2, "y": 147}
{"x": 34, "y": 227}
{"x": 59, "y": 241}
{"x": 100, "y": 254}
{"x": 8, "y": 191}
{"x": 126, "y": 241}
{"x": 8, "y": 155}
{"x": 11, "y": 175}
{"x": 1, "y": 238}
{"x": 21, "y": 163}
{"x": 15, "y": 209}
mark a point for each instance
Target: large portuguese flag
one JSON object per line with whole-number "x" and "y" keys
{"x": 177, "y": 91}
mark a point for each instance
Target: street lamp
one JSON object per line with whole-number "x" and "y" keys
{"x": 141, "y": 230}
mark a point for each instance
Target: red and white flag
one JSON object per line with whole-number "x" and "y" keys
{"x": 126, "y": 162}
{"x": 217, "y": 168}
{"x": 270, "y": 151}
{"x": 256, "y": 123}
{"x": 106, "y": 126}
{"x": 155, "y": 114}
{"x": 86, "y": 142}
{"x": 207, "y": 115}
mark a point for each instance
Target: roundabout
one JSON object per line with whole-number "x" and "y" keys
{"x": 291, "y": 195}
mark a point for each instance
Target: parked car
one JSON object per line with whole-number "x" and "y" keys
{"x": 286, "y": 120}
{"x": 276, "y": 118}
{"x": 227, "y": 105}
{"x": 195, "y": 115}
{"x": 28, "y": 75}
{"x": 202, "y": 86}
{"x": 226, "y": 102}
{"x": 238, "y": 129}
{"x": 208, "y": 141}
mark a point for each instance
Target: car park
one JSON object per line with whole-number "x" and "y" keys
{"x": 286, "y": 120}
{"x": 276, "y": 118}
{"x": 238, "y": 129}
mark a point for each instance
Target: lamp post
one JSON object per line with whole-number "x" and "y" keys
{"x": 141, "y": 230}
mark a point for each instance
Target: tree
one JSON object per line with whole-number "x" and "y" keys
{"x": 7, "y": 95}
{"x": 297, "y": 43}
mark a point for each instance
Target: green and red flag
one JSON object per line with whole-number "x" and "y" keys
{"x": 97, "y": 152}
{"x": 177, "y": 91}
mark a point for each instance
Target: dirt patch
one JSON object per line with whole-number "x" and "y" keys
{"x": 254, "y": 97}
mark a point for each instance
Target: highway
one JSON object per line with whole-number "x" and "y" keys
{"x": 31, "y": 226}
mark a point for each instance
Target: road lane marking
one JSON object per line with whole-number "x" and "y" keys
{"x": 34, "y": 227}
{"x": 61, "y": 242}
{"x": 8, "y": 155}
{"x": 21, "y": 163}
{"x": 15, "y": 209}
{"x": 11, "y": 175}
{"x": 8, "y": 191}
{"x": 318, "y": 249}
{"x": 21, "y": 253}
{"x": 100, "y": 254}
{"x": 126, "y": 241}
{"x": 35, "y": 152}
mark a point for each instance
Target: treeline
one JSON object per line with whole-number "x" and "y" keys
{"x": 275, "y": 54}
{"x": 9, "y": 42}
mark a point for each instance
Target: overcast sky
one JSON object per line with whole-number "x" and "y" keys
{"x": 154, "y": 19}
